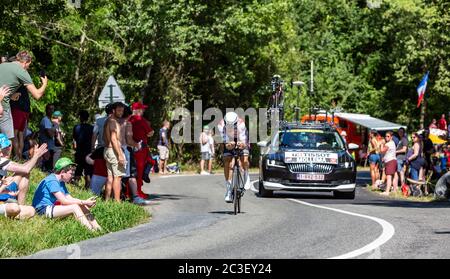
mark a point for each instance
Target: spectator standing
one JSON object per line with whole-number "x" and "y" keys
{"x": 402, "y": 148}
{"x": 130, "y": 148}
{"x": 82, "y": 136}
{"x": 374, "y": 157}
{"x": 213, "y": 151}
{"x": 59, "y": 135}
{"x": 448, "y": 130}
{"x": 14, "y": 75}
{"x": 163, "y": 146}
{"x": 415, "y": 160}
{"x": 390, "y": 161}
{"x": 433, "y": 124}
{"x": 443, "y": 158}
{"x": 395, "y": 139}
{"x": 206, "y": 149}
{"x": 442, "y": 125}
{"x": 447, "y": 154}
{"x": 141, "y": 131}
{"x": 20, "y": 112}
{"x": 428, "y": 150}
{"x": 47, "y": 133}
{"x": 97, "y": 136}
{"x": 53, "y": 200}
{"x": 114, "y": 155}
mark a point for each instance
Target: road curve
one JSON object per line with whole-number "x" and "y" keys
{"x": 191, "y": 220}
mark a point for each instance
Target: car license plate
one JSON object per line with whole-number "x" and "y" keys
{"x": 305, "y": 176}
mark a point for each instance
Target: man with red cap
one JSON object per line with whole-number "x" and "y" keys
{"x": 141, "y": 132}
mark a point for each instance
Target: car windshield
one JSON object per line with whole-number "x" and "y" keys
{"x": 311, "y": 139}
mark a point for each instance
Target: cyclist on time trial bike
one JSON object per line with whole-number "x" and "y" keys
{"x": 234, "y": 132}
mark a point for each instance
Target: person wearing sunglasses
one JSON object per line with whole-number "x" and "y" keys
{"x": 416, "y": 160}
{"x": 390, "y": 161}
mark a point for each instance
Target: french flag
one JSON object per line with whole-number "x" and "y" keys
{"x": 421, "y": 88}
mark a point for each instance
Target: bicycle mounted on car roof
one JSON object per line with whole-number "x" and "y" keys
{"x": 275, "y": 103}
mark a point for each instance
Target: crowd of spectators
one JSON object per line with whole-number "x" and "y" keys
{"x": 111, "y": 155}
{"x": 407, "y": 164}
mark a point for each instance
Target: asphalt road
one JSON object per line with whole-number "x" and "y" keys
{"x": 191, "y": 220}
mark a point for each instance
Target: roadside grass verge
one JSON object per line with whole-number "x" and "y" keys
{"x": 25, "y": 237}
{"x": 399, "y": 196}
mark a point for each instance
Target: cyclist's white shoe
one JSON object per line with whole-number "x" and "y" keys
{"x": 247, "y": 184}
{"x": 228, "y": 195}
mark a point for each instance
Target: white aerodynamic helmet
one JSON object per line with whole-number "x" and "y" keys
{"x": 230, "y": 118}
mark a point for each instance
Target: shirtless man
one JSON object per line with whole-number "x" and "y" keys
{"x": 114, "y": 155}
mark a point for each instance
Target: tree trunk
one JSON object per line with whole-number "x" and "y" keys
{"x": 147, "y": 78}
{"x": 77, "y": 69}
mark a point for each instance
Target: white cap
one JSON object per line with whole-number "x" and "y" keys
{"x": 230, "y": 118}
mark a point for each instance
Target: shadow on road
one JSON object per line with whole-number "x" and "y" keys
{"x": 167, "y": 197}
{"x": 302, "y": 195}
{"x": 225, "y": 212}
{"x": 444, "y": 232}
{"x": 405, "y": 204}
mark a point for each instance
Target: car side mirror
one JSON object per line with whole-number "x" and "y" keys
{"x": 353, "y": 146}
{"x": 262, "y": 143}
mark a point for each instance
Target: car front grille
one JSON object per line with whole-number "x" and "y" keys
{"x": 317, "y": 168}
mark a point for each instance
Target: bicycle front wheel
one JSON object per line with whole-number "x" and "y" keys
{"x": 237, "y": 183}
{"x": 237, "y": 190}
{"x": 236, "y": 200}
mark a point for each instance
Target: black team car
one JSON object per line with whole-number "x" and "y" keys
{"x": 307, "y": 157}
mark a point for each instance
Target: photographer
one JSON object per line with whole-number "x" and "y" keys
{"x": 14, "y": 75}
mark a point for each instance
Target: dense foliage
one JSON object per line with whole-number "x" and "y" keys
{"x": 172, "y": 52}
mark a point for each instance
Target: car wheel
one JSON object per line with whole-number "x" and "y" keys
{"x": 344, "y": 195}
{"x": 263, "y": 192}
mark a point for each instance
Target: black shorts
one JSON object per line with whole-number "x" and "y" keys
{"x": 82, "y": 166}
{"x": 229, "y": 153}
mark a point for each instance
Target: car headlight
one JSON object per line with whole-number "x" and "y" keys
{"x": 275, "y": 164}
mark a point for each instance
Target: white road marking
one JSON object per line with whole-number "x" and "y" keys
{"x": 388, "y": 231}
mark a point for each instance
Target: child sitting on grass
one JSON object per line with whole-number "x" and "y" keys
{"x": 8, "y": 201}
{"x": 52, "y": 199}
